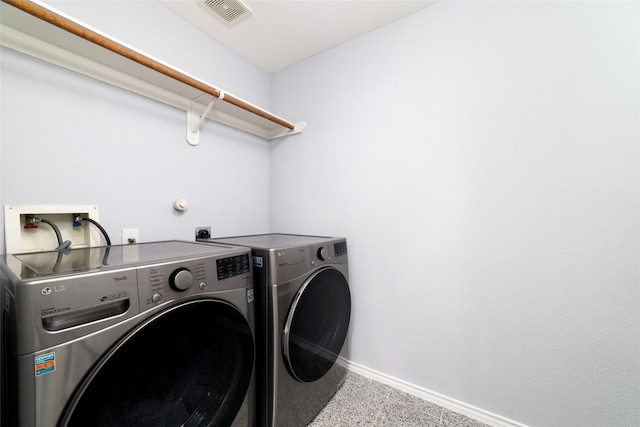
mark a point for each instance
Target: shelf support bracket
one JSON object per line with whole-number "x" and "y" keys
{"x": 194, "y": 121}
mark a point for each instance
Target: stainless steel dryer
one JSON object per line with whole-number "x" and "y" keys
{"x": 303, "y": 308}
{"x": 153, "y": 334}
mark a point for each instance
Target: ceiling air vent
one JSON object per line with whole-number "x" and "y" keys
{"x": 229, "y": 11}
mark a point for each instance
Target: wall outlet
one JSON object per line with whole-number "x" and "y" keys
{"x": 129, "y": 236}
{"x": 203, "y": 232}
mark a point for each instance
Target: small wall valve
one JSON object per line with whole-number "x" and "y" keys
{"x": 31, "y": 222}
{"x": 180, "y": 205}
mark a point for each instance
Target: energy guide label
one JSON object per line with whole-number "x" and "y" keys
{"x": 45, "y": 363}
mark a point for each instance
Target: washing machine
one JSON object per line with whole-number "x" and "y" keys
{"x": 150, "y": 334}
{"x": 303, "y": 308}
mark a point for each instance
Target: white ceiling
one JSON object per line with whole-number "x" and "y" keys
{"x": 280, "y": 33}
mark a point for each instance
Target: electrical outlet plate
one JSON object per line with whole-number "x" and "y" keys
{"x": 129, "y": 236}
{"x": 18, "y": 239}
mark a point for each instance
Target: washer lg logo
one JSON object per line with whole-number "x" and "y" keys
{"x": 47, "y": 291}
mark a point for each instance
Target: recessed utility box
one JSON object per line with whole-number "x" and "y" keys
{"x": 43, "y": 237}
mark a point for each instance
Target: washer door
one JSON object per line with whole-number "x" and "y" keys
{"x": 317, "y": 325}
{"x": 190, "y": 365}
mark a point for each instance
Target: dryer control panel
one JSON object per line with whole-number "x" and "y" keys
{"x": 327, "y": 252}
{"x": 283, "y": 257}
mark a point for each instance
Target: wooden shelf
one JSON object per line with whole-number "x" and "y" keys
{"x": 40, "y": 31}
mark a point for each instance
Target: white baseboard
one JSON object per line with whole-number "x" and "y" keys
{"x": 433, "y": 397}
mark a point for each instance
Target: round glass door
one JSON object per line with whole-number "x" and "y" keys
{"x": 317, "y": 325}
{"x": 187, "y": 366}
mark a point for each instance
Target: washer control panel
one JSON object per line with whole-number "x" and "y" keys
{"x": 232, "y": 266}
{"x": 169, "y": 281}
{"x": 161, "y": 282}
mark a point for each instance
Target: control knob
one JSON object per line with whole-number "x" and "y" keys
{"x": 181, "y": 279}
{"x": 322, "y": 254}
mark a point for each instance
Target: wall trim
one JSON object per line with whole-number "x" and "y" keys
{"x": 439, "y": 399}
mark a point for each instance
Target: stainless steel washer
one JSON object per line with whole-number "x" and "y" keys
{"x": 154, "y": 334}
{"x": 303, "y": 308}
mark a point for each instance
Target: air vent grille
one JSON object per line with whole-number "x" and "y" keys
{"x": 229, "y": 11}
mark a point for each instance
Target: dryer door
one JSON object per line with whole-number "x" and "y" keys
{"x": 317, "y": 325}
{"x": 190, "y": 365}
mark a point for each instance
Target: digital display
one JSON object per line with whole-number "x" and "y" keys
{"x": 232, "y": 266}
{"x": 340, "y": 248}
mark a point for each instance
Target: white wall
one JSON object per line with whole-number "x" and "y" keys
{"x": 67, "y": 139}
{"x": 482, "y": 158}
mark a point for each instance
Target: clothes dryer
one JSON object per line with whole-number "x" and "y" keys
{"x": 303, "y": 308}
{"x": 153, "y": 334}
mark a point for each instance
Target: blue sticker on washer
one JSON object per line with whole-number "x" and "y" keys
{"x": 45, "y": 363}
{"x": 257, "y": 261}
